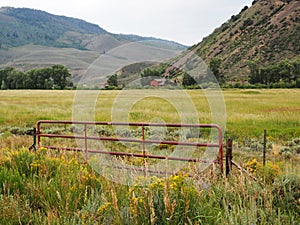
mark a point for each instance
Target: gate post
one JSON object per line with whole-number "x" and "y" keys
{"x": 38, "y": 131}
{"x": 228, "y": 156}
{"x": 143, "y": 149}
{"x": 85, "y": 142}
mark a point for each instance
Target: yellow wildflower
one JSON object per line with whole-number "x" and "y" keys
{"x": 104, "y": 207}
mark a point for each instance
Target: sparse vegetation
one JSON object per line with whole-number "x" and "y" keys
{"x": 252, "y": 38}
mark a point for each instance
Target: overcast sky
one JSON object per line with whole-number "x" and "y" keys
{"x": 183, "y": 21}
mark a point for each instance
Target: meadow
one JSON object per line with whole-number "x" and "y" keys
{"x": 248, "y": 112}
{"x": 58, "y": 187}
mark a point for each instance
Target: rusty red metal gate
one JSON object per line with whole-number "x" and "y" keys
{"x": 86, "y": 137}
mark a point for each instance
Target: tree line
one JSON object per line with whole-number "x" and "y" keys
{"x": 286, "y": 73}
{"x": 55, "y": 77}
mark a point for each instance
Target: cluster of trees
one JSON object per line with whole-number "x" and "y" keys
{"x": 149, "y": 74}
{"x": 113, "y": 80}
{"x": 213, "y": 74}
{"x": 285, "y": 72}
{"x": 55, "y": 77}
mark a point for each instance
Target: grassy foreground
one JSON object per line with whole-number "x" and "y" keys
{"x": 52, "y": 187}
{"x": 59, "y": 188}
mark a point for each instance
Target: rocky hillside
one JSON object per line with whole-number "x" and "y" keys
{"x": 267, "y": 32}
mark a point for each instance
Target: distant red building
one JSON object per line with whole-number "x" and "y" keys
{"x": 158, "y": 82}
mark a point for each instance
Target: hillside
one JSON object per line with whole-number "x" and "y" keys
{"x": 264, "y": 38}
{"x": 32, "y": 38}
{"x": 267, "y": 32}
{"x": 132, "y": 72}
{"x": 21, "y": 26}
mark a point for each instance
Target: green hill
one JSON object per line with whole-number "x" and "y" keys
{"x": 21, "y": 26}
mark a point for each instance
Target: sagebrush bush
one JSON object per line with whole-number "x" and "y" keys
{"x": 52, "y": 187}
{"x": 287, "y": 192}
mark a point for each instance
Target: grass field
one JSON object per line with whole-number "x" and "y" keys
{"x": 58, "y": 187}
{"x": 248, "y": 112}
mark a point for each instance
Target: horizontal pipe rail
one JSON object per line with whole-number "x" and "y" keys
{"x": 131, "y": 140}
{"x": 128, "y": 124}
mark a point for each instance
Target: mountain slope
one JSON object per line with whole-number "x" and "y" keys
{"x": 21, "y": 26}
{"x": 267, "y": 32}
{"x": 32, "y": 38}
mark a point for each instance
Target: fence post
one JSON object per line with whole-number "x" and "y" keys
{"x": 34, "y": 139}
{"x": 228, "y": 156}
{"x": 265, "y": 147}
